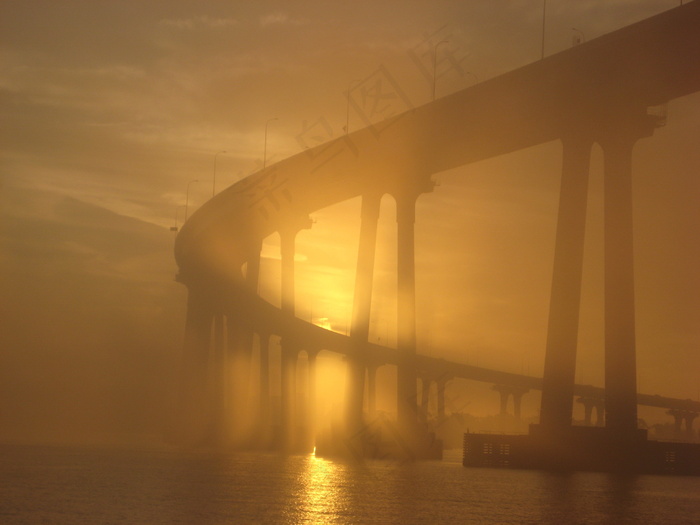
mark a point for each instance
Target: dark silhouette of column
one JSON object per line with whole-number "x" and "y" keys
{"x": 681, "y": 417}
{"x": 311, "y": 405}
{"x": 620, "y": 347}
{"x": 406, "y": 310}
{"x": 689, "y": 418}
{"x": 518, "y": 394}
{"x": 425, "y": 398}
{"x": 290, "y": 350}
{"x": 288, "y": 393}
{"x": 233, "y": 368}
{"x": 562, "y": 332}
{"x": 588, "y": 411}
{"x": 677, "y": 422}
{"x": 441, "y": 384}
{"x": 599, "y": 412}
{"x": 505, "y": 392}
{"x": 194, "y": 413}
{"x": 589, "y": 404}
{"x": 221, "y": 426}
{"x": 361, "y": 307}
{"x": 287, "y": 252}
{"x": 264, "y": 412}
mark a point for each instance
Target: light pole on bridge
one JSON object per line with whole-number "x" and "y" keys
{"x": 187, "y": 198}
{"x": 544, "y": 17}
{"x": 213, "y": 186}
{"x": 177, "y": 212}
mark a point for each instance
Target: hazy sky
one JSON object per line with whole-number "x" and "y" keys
{"x": 108, "y": 109}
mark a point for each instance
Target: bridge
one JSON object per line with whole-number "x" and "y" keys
{"x": 598, "y": 92}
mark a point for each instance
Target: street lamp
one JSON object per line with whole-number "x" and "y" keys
{"x": 435, "y": 50}
{"x": 265, "y": 147}
{"x": 187, "y": 199}
{"x": 544, "y": 18}
{"x": 177, "y": 213}
{"x": 213, "y": 187}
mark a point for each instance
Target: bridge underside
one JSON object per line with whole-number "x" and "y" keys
{"x": 598, "y": 92}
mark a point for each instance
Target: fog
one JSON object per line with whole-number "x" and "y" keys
{"x": 109, "y": 112}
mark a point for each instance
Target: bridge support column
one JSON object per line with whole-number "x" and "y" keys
{"x": 600, "y": 413}
{"x": 234, "y": 370}
{"x": 406, "y": 310}
{"x": 361, "y": 308}
{"x": 677, "y": 422}
{"x": 620, "y": 348}
{"x": 289, "y": 349}
{"x": 194, "y": 413}
{"x": 588, "y": 411}
{"x": 289, "y": 395}
{"x": 689, "y": 418}
{"x": 505, "y": 392}
{"x": 220, "y": 372}
{"x": 311, "y": 405}
{"x": 562, "y": 332}
{"x": 441, "y": 384}
{"x": 679, "y": 418}
{"x": 264, "y": 412}
{"x": 517, "y": 402}
{"x": 425, "y": 398}
{"x": 590, "y": 403}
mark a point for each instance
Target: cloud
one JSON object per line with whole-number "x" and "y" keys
{"x": 280, "y": 18}
{"x": 198, "y": 22}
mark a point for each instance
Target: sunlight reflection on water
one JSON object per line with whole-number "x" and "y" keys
{"x": 72, "y": 486}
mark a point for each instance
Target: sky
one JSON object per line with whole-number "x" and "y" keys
{"x": 110, "y": 110}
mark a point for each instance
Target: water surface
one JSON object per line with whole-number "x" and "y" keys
{"x": 76, "y": 486}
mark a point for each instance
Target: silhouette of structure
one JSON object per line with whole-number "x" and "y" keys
{"x": 596, "y": 92}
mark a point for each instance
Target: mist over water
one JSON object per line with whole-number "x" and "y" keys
{"x": 108, "y": 139}
{"x": 91, "y": 486}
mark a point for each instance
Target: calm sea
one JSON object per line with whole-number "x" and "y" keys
{"x": 76, "y": 486}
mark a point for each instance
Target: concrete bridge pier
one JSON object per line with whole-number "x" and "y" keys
{"x": 617, "y": 138}
{"x": 507, "y": 391}
{"x": 311, "y": 402}
{"x": 406, "y": 312}
{"x": 416, "y": 440}
{"x": 290, "y": 350}
{"x": 562, "y": 331}
{"x": 425, "y": 398}
{"x": 616, "y": 127}
{"x": 683, "y": 418}
{"x": 218, "y": 374}
{"x": 361, "y": 309}
{"x": 590, "y": 404}
{"x": 441, "y": 385}
{"x": 518, "y": 394}
{"x": 288, "y": 420}
{"x": 264, "y": 412}
{"x": 195, "y": 413}
{"x": 504, "y": 391}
